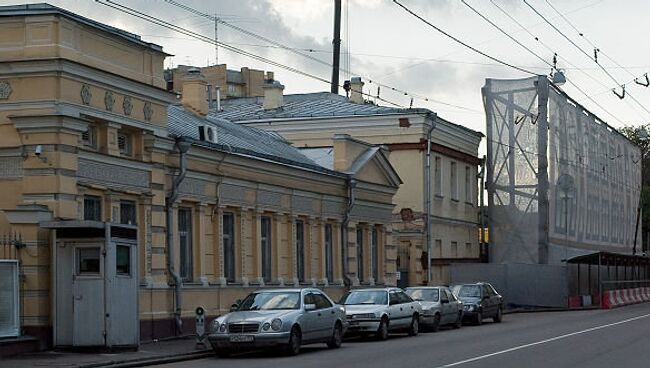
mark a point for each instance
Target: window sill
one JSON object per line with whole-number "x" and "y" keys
{"x": 438, "y": 196}
{"x": 455, "y": 200}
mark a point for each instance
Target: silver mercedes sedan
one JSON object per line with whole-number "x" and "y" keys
{"x": 439, "y": 306}
{"x": 287, "y": 318}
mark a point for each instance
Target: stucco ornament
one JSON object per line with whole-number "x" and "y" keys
{"x": 147, "y": 110}
{"x": 127, "y": 105}
{"x": 86, "y": 95}
{"x": 5, "y": 90}
{"x": 109, "y": 100}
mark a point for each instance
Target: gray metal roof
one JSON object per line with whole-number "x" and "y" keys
{"x": 44, "y": 9}
{"x": 324, "y": 156}
{"x": 232, "y": 137}
{"x": 307, "y": 105}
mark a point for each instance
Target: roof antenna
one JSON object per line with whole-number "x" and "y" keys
{"x": 646, "y": 83}
{"x": 622, "y": 95}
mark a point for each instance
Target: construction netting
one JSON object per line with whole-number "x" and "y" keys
{"x": 561, "y": 182}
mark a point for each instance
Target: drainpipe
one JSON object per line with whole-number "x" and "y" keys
{"x": 183, "y": 147}
{"x": 350, "y": 183}
{"x": 428, "y": 192}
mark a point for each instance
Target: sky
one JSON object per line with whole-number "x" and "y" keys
{"x": 384, "y": 44}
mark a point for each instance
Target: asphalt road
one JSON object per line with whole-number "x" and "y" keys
{"x": 596, "y": 338}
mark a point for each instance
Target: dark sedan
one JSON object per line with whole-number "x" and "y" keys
{"x": 480, "y": 301}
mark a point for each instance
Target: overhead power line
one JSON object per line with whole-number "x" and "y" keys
{"x": 455, "y": 39}
{"x": 310, "y": 57}
{"x": 553, "y": 66}
{"x": 622, "y": 95}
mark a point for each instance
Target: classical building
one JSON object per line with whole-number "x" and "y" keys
{"x": 310, "y": 120}
{"x": 245, "y": 82}
{"x": 123, "y": 209}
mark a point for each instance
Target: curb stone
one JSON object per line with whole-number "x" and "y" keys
{"x": 141, "y": 362}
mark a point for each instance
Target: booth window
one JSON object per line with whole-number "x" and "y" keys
{"x": 127, "y": 213}
{"x": 123, "y": 260}
{"x": 88, "y": 261}
{"x": 92, "y": 208}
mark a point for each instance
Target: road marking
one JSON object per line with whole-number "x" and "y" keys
{"x": 481, "y": 357}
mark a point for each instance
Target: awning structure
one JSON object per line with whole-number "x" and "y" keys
{"x": 610, "y": 259}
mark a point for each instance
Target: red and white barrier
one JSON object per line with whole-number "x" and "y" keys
{"x": 621, "y": 297}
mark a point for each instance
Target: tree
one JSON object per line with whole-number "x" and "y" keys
{"x": 640, "y": 136}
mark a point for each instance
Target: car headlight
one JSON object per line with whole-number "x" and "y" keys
{"x": 222, "y": 328}
{"x": 214, "y": 327}
{"x": 266, "y": 326}
{"x": 276, "y": 324}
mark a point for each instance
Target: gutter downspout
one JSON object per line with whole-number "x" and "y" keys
{"x": 183, "y": 147}
{"x": 350, "y": 183}
{"x": 428, "y": 192}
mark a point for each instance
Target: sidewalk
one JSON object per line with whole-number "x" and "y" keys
{"x": 149, "y": 354}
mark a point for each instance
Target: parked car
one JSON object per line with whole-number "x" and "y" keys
{"x": 380, "y": 311}
{"x": 287, "y": 318}
{"x": 439, "y": 306}
{"x": 480, "y": 300}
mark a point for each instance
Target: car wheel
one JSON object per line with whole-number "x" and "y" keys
{"x": 222, "y": 353}
{"x": 436, "y": 323}
{"x": 337, "y": 337}
{"x": 499, "y": 316}
{"x": 382, "y": 331}
{"x": 459, "y": 320}
{"x": 415, "y": 326}
{"x": 479, "y": 318}
{"x": 295, "y": 339}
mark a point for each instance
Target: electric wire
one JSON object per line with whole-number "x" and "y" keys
{"x": 585, "y": 53}
{"x": 162, "y": 23}
{"x": 297, "y": 52}
{"x": 455, "y": 39}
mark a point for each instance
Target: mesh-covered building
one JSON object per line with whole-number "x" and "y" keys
{"x": 560, "y": 181}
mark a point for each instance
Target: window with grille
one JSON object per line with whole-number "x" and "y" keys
{"x": 266, "y": 248}
{"x": 360, "y": 273}
{"x": 89, "y": 137}
{"x": 329, "y": 257}
{"x": 124, "y": 143}
{"x": 185, "y": 242}
{"x": 92, "y": 208}
{"x": 128, "y": 213}
{"x": 300, "y": 250}
{"x": 229, "y": 246}
{"x": 9, "y": 299}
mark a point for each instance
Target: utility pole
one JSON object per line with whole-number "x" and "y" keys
{"x": 336, "y": 55}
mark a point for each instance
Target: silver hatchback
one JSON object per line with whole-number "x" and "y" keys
{"x": 287, "y": 318}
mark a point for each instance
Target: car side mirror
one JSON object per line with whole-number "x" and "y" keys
{"x": 310, "y": 307}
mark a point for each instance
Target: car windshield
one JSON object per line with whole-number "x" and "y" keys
{"x": 468, "y": 291}
{"x": 426, "y": 295}
{"x": 365, "y": 297}
{"x": 270, "y": 301}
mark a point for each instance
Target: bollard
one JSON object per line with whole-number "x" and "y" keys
{"x": 200, "y": 326}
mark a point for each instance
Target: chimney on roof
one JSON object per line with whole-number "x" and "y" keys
{"x": 273, "y": 97}
{"x": 356, "y": 90}
{"x": 195, "y": 92}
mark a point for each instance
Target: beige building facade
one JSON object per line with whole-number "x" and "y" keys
{"x": 310, "y": 120}
{"x": 108, "y": 181}
{"x": 245, "y": 82}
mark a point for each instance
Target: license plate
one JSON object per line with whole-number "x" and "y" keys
{"x": 241, "y": 338}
